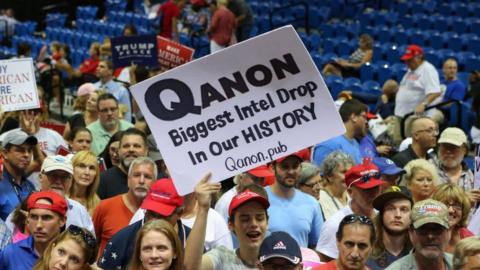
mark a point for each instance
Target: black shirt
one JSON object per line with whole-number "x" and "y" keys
{"x": 402, "y": 158}
{"x": 112, "y": 182}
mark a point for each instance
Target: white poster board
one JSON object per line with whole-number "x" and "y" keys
{"x": 18, "y": 89}
{"x": 238, "y": 108}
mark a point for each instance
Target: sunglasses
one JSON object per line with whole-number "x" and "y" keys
{"x": 365, "y": 178}
{"x": 353, "y": 218}
{"x": 87, "y": 237}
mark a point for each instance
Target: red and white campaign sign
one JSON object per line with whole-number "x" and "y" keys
{"x": 18, "y": 89}
{"x": 172, "y": 54}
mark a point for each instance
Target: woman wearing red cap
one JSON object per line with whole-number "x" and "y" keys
{"x": 248, "y": 219}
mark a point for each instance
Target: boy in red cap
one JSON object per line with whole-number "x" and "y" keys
{"x": 363, "y": 185}
{"x": 46, "y": 218}
{"x": 248, "y": 219}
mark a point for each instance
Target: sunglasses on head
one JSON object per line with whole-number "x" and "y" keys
{"x": 87, "y": 237}
{"x": 365, "y": 178}
{"x": 353, "y": 218}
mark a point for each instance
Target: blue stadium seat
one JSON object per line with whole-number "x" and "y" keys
{"x": 371, "y": 86}
{"x": 314, "y": 40}
{"x": 351, "y": 81}
{"x": 344, "y": 48}
{"x": 400, "y": 37}
{"x": 473, "y": 45}
{"x": 384, "y": 73}
{"x": 367, "y": 72}
{"x": 472, "y": 64}
{"x": 335, "y": 88}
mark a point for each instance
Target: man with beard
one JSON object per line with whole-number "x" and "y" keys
{"x": 107, "y": 124}
{"x": 363, "y": 185}
{"x": 132, "y": 144}
{"x": 429, "y": 236}
{"x": 113, "y": 214}
{"x": 46, "y": 217}
{"x": 452, "y": 148}
{"x": 392, "y": 223}
{"x": 354, "y": 240}
{"x": 354, "y": 117}
{"x": 424, "y": 137}
{"x": 291, "y": 210}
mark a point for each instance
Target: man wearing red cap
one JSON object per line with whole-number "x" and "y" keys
{"x": 248, "y": 219}
{"x": 291, "y": 210}
{"x": 257, "y": 176}
{"x": 363, "y": 185}
{"x": 420, "y": 86}
{"x": 162, "y": 202}
{"x": 47, "y": 212}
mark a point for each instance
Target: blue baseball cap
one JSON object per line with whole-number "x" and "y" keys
{"x": 280, "y": 245}
{"x": 387, "y": 166}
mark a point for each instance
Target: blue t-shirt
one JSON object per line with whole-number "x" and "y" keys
{"x": 455, "y": 90}
{"x": 342, "y": 143}
{"x": 300, "y": 216}
{"x": 19, "y": 256}
{"x": 12, "y": 194}
{"x": 368, "y": 149}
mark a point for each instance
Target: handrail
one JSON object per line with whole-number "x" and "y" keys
{"x": 305, "y": 18}
{"x": 438, "y": 105}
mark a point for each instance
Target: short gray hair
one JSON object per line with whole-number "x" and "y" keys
{"x": 309, "y": 170}
{"x": 141, "y": 161}
{"x": 333, "y": 160}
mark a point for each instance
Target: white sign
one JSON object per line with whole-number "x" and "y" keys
{"x": 238, "y": 108}
{"x": 18, "y": 89}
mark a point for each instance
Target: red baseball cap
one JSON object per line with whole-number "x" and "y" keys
{"x": 411, "y": 51}
{"x": 265, "y": 172}
{"x": 162, "y": 198}
{"x": 58, "y": 203}
{"x": 244, "y": 197}
{"x": 303, "y": 154}
{"x": 364, "y": 176}
{"x": 371, "y": 116}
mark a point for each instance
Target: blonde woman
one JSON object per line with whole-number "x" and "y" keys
{"x": 73, "y": 249}
{"x": 86, "y": 178}
{"x": 421, "y": 178}
{"x": 467, "y": 254}
{"x": 459, "y": 207}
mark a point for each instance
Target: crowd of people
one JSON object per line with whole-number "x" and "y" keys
{"x": 97, "y": 194}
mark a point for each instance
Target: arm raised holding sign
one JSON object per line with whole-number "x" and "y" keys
{"x": 196, "y": 239}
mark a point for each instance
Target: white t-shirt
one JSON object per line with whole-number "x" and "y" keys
{"x": 217, "y": 233}
{"x": 415, "y": 86}
{"x": 224, "y": 202}
{"x": 48, "y": 139}
{"x": 223, "y": 258}
{"x": 327, "y": 243}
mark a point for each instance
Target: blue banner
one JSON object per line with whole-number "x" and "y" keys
{"x": 140, "y": 50}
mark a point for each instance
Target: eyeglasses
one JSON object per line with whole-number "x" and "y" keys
{"x": 86, "y": 235}
{"x": 311, "y": 185}
{"x": 353, "y": 218}
{"x": 455, "y": 206}
{"x": 365, "y": 178}
{"x": 430, "y": 131}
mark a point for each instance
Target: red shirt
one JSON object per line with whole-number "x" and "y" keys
{"x": 222, "y": 26}
{"x": 170, "y": 11}
{"x": 331, "y": 265}
{"x": 89, "y": 66}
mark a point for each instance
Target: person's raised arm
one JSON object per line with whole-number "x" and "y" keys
{"x": 195, "y": 242}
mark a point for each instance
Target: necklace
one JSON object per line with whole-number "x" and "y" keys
{"x": 237, "y": 251}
